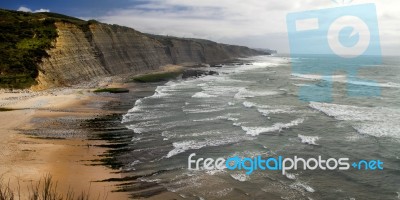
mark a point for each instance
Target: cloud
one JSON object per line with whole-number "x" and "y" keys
{"x": 255, "y": 23}
{"x": 26, "y": 9}
{"x": 42, "y": 10}
{"x": 205, "y": 19}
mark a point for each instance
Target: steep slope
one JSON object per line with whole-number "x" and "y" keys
{"x": 111, "y": 50}
{"x": 83, "y": 50}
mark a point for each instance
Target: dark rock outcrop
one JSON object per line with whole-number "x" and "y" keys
{"x": 189, "y": 73}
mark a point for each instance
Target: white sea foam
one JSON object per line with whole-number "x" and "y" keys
{"x": 149, "y": 126}
{"x": 212, "y": 172}
{"x": 135, "y": 139}
{"x": 182, "y": 146}
{"x": 227, "y": 117}
{"x": 300, "y": 84}
{"x": 142, "y": 112}
{"x": 210, "y": 119}
{"x": 302, "y": 187}
{"x": 343, "y": 79}
{"x": 135, "y": 162}
{"x": 203, "y": 110}
{"x": 136, "y": 129}
{"x": 308, "y": 139}
{"x": 202, "y": 95}
{"x": 374, "y": 121}
{"x": 254, "y": 131}
{"x": 318, "y": 77}
{"x": 249, "y": 104}
{"x": 232, "y": 119}
{"x": 237, "y": 124}
{"x": 267, "y": 112}
{"x": 253, "y": 66}
{"x": 160, "y": 92}
{"x": 290, "y": 176}
{"x": 218, "y": 90}
{"x": 170, "y": 134}
{"x": 240, "y": 177}
{"x": 244, "y": 93}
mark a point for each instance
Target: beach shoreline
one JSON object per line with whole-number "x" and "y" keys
{"x": 30, "y": 152}
{"x": 47, "y": 133}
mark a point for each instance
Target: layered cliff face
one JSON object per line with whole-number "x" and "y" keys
{"x": 101, "y": 50}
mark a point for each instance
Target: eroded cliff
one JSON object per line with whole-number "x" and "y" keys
{"x": 101, "y": 49}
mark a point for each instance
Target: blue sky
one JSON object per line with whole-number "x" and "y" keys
{"x": 82, "y": 8}
{"x": 253, "y": 23}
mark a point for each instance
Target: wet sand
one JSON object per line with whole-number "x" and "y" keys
{"x": 48, "y": 133}
{"x": 26, "y": 158}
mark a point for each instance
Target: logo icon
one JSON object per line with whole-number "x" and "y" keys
{"x": 339, "y": 40}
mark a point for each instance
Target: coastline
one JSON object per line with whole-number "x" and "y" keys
{"x": 49, "y": 133}
{"x": 28, "y": 153}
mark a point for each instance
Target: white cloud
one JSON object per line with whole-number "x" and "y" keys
{"x": 26, "y": 9}
{"x": 42, "y": 10}
{"x": 256, "y": 23}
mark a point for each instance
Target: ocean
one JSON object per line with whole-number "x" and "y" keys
{"x": 253, "y": 108}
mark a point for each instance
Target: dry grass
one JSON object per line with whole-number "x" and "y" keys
{"x": 45, "y": 189}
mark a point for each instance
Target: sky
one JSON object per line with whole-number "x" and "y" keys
{"x": 253, "y": 23}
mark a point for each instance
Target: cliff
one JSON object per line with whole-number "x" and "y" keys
{"x": 104, "y": 49}
{"x": 72, "y": 50}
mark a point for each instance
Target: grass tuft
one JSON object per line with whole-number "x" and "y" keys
{"x": 45, "y": 189}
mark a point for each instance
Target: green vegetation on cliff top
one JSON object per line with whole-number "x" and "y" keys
{"x": 24, "y": 39}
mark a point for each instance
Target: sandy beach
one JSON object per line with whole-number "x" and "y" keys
{"x": 43, "y": 134}
{"x": 26, "y": 159}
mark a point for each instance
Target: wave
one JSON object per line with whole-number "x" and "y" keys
{"x": 343, "y": 79}
{"x": 202, "y": 95}
{"x": 317, "y": 77}
{"x": 243, "y": 93}
{"x": 169, "y": 134}
{"x": 266, "y": 112}
{"x": 254, "y": 131}
{"x": 134, "y": 139}
{"x": 290, "y": 176}
{"x": 182, "y": 146}
{"x": 248, "y": 104}
{"x": 160, "y": 92}
{"x": 228, "y": 117}
{"x": 202, "y": 110}
{"x": 145, "y": 115}
{"x": 312, "y": 140}
{"x": 231, "y": 104}
{"x": 299, "y": 186}
{"x": 240, "y": 177}
{"x": 374, "y": 121}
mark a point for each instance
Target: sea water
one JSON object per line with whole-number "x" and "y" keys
{"x": 253, "y": 108}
